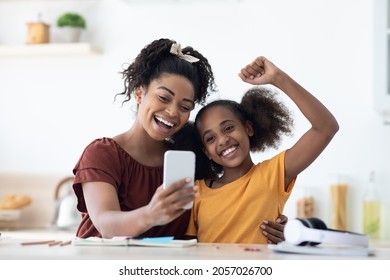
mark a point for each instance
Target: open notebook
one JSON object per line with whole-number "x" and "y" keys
{"x": 128, "y": 241}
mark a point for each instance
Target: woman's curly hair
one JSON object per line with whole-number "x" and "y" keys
{"x": 155, "y": 60}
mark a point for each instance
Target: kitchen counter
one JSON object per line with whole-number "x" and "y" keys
{"x": 11, "y": 248}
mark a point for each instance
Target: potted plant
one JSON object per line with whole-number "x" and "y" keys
{"x": 71, "y": 25}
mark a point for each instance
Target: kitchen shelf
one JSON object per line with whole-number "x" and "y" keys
{"x": 51, "y": 49}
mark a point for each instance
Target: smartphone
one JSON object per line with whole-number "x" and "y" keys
{"x": 179, "y": 165}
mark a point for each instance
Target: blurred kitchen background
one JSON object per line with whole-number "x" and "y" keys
{"x": 56, "y": 99}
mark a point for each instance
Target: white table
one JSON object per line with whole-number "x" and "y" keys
{"x": 11, "y": 248}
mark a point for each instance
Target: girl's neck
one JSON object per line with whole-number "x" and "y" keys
{"x": 233, "y": 173}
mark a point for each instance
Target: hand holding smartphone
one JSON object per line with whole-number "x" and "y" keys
{"x": 179, "y": 165}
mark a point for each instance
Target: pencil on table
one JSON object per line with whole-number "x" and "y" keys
{"x": 66, "y": 243}
{"x": 37, "y": 242}
{"x": 55, "y": 243}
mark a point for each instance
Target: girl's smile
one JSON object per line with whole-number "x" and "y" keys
{"x": 228, "y": 153}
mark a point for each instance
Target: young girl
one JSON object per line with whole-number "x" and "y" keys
{"x": 233, "y": 204}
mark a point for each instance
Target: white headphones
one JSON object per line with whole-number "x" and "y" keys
{"x": 313, "y": 231}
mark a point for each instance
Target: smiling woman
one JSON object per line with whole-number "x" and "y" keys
{"x": 118, "y": 180}
{"x": 167, "y": 102}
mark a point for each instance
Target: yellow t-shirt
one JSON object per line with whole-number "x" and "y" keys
{"x": 234, "y": 212}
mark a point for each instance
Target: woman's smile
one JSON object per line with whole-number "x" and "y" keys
{"x": 164, "y": 124}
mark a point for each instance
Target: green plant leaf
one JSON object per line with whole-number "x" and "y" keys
{"x": 71, "y": 19}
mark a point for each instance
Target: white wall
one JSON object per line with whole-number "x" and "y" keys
{"x": 51, "y": 107}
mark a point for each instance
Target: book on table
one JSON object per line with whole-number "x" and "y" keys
{"x": 168, "y": 241}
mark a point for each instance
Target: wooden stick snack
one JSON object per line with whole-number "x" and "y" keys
{"x": 339, "y": 201}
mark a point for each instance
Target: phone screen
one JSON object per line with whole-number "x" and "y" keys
{"x": 179, "y": 165}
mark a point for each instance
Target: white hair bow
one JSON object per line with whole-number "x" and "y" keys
{"x": 176, "y": 50}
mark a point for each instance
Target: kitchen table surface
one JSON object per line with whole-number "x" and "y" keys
{"x": 11, "y": 248}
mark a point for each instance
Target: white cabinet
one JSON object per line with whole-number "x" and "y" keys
{"x": 381, "y": 58}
